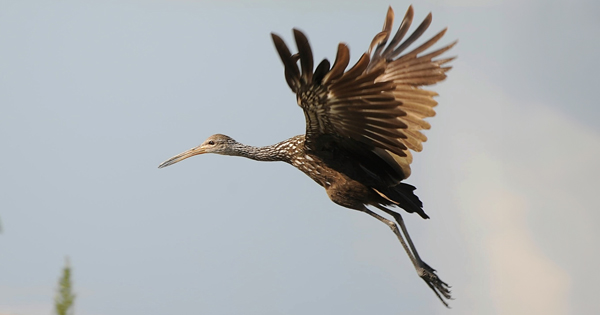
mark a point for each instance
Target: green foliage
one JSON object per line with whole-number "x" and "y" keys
{"x": 63, "y": 302}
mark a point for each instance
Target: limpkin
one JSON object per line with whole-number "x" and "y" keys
{"x": 360, "y": 125}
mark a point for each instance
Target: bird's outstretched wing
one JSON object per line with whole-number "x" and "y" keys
{"x": 378, "y": 102}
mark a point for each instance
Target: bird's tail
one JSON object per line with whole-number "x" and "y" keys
{"x": 403, "y": 196}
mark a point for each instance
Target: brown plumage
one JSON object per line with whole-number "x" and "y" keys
{"x": 360, "y": 124}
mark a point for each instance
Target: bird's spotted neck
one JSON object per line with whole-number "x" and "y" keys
{"x": 282, "y": 151}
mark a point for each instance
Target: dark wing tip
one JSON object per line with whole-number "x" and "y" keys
{"x": 292, "y": 74}
{"x": 306, "y": 57}
{"x": 342, "y": 59}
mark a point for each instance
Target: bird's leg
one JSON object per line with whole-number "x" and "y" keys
{"x": 439, "y": 287}
{"x": 394, "y": 228}
{"x": 400, "y": 221}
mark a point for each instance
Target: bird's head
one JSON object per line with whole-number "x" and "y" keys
{"x": 219, "y": 144}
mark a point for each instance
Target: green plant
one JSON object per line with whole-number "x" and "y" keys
{"x": 63, "y": 302}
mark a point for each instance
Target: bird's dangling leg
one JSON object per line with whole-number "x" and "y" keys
{"x": 439, "y": 287}
{"x": 400, "y": 221}
{"x": 394, "y": 228}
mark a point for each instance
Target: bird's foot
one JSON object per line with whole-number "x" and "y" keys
{"x": 439, "y": 287}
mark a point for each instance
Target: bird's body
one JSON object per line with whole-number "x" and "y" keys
{"x": 324, "y": 167}
{"x": 360, "y": 125}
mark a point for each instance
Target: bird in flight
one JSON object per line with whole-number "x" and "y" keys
{"x": 361, "y": 124}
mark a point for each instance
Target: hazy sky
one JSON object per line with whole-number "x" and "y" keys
{"x": 95, "y": 94}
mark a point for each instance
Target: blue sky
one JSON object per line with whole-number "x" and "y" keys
{"x": 94, "y": 95}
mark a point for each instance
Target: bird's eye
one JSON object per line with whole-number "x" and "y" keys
{"x": 211, "y": 142}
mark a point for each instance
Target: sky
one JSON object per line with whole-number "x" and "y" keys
{"x": 95, "y": 94}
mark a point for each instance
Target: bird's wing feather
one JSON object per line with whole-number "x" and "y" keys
{"x": 378, "y": 102}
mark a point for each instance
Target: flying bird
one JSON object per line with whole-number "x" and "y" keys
{"x": 361, "y": 125}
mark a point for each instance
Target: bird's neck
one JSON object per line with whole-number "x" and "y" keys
{"x": 282, "y": 151}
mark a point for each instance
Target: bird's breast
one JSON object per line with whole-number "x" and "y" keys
{"x": 315, "y": 168}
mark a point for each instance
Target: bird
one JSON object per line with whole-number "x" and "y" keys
{"x": 361, "y": 125}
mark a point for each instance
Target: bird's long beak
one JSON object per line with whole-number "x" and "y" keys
{"x": 182, "y": 156}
